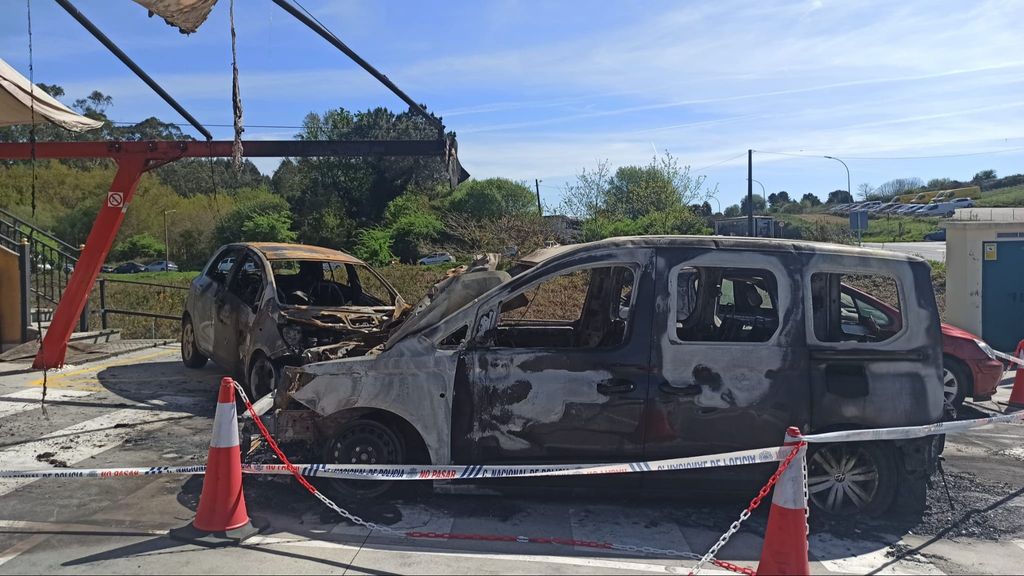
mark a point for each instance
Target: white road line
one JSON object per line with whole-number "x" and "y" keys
{"x": 24, "y": 400}
{"x": 615, "y": 524}
{"x": 843, "y": 556}
{"x": 80, "y": 441}
{"x": 22, "y": 547}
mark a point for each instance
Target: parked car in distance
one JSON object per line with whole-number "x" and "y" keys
{"x": 937, "y": 236}
{"x": 161, "y": 266}
{"x": 436, "y": 258}
{"x": 282, "y": 304}
{"x": 129, "y": 268}
{"x": 106, "y": 268}
{"x": 69, "y": 267}
{"x": 572, "y": 360}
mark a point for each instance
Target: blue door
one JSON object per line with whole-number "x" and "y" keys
{"x": 1002, "y": 294}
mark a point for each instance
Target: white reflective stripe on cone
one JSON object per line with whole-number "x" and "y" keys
{"x": 789, "y": 490}
{"x": 225, "y": 427}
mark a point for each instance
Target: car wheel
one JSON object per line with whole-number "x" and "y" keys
{"x": 364, "y": 442}
{"x": 262, "y": 377}
{"x": 956, "y": 382}
{"x": 190, "y": 354}
{"x": 852, "y": 478}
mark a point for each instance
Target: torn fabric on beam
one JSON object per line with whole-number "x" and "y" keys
{"x": 185, "y": 15}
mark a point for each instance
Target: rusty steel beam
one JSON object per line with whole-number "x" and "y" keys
{"x": 175, "y": 149}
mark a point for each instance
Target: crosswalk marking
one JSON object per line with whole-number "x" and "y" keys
{"x": 24, "y": 400}
{"x": 83, "y": 440}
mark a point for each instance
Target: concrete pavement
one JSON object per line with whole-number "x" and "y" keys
{"x": 145, "y": 409}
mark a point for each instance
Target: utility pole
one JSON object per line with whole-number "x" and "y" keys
{"x": 750, "y": 193}
{"x": 167, "y": 244}
{"x": 536, "y": 185}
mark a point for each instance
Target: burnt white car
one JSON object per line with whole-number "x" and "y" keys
{"x": 258, "y": 307}
{"x": 640, "y": 348}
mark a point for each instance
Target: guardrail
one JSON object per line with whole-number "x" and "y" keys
{"x": 105, "y": 310}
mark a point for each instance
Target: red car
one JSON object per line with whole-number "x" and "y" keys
{"x": 969, "y": 366}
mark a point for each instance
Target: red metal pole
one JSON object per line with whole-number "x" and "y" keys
{"x": 101, "y": 238}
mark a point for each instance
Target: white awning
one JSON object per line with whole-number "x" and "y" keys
{"x": 185, "y": 15}
{"x": 18, "y": 98}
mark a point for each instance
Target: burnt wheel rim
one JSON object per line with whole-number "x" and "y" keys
{"x": 262, "y": 379}
{"x": 950, "y": 386}
{"x": 188, "y": 338}
{"x": 365, "y": 444}
{"x": 842, "y": 478}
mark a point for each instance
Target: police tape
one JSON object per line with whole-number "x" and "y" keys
{"x": 1009, "y": 358}
{"x": 428, "y": 472}
{"x": 908, "y": 432}
{"x": 484, "y": 471}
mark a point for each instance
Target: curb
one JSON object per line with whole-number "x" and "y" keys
{"x": 93, "y": 358}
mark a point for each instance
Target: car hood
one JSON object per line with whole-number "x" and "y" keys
{"x": 950, "y": 331}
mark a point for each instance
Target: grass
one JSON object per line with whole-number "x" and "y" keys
{"x": 1012, "y": 196}
{"x": 880, "y": 228}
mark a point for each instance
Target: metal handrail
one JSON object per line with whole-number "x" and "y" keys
{"x": 104, "y": 311}
{"x": 141, "y": 283}
{"x": 19, "y": 222}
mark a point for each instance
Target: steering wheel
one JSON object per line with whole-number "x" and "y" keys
{"x": 315, "y": 292}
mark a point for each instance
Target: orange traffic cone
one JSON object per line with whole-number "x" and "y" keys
{"x": 1017, "y": 394}
{"x": 785, "y": 540}
{"x": 222, "y": 517}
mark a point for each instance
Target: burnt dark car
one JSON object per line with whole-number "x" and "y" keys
{"x": 642, "y": 348}
{"x": 260, "y": 306}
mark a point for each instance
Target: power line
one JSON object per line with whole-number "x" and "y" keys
{"x": 718, "y": 163}
{"x": 928, "y": 157}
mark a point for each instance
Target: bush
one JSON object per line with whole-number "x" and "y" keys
{"x": 138, "y": 247}
{"x": 374, "y": 246}
{"x": 676, "y": 221}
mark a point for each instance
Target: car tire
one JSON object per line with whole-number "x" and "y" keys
{"x": 956, "y": 382}
{"x": 852, "y": 478}
{"x": 364, "y": 441}
{"x": 190, "y": 354}
{"x": 261, "y": 379}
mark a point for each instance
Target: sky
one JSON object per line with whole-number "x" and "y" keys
{"x": 541, "y": 90}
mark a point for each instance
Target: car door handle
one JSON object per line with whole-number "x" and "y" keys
{"x": 690, "y": 390}
{"x": 616, "y": 386}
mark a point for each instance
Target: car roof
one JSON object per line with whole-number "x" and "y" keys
{"x": 282, "y": 251}
{"x": 714, "y": 242}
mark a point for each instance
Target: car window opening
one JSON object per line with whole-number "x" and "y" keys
{"x": 587, "y": 308}
{"x": 855, "y": 307}
{"x": 715, "y": 304}
{"x": 328, "y": 284}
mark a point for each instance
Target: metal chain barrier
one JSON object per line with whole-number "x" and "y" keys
{"x": 713, "y": 551}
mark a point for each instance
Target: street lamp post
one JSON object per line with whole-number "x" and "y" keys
{"x": 848, "y": 191}
{"x": 763, "y": 196}
{"x": 167, "y": 244}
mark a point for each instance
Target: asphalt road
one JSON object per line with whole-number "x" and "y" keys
{"x": 928, "y": 250}
{"x": 147, "y": 410}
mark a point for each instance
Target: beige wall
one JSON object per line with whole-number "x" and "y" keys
{"x": 10, "y": 298}
{"x": 963, "y": 268}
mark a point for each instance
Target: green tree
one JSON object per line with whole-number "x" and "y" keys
{"x": 374, "y": 246}
{"x": 493, "y": 197}
{"x": 809, "y": 200}
{"x": 138, "y": 247}
{"x": 258, "y": 216}
{"x": 732, "y": 211}
{"x": 839, "y": 197}
{"x": 983, "y": 175}
{"x": 759, "y": 206}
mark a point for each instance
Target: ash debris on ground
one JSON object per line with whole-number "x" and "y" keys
{"x": 49, "y": 458}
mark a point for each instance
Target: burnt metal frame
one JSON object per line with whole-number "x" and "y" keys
{"x": 135, "y": 158}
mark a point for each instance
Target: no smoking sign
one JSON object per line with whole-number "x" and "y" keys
{"x": 115, "y": 199}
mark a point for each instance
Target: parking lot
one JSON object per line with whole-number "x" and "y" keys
{"x": 145, "y": 409}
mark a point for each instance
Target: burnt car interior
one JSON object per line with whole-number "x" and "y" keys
{"x": 726, "y": 305}
{"x": 843, "y": 314}
{"x": 588, "y": 308}
{"x": 316, "y": 283}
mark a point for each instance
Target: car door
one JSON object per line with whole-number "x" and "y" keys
{"x": 235, "y": 312}
{"x": 204, "y": 292}
{"x": 729, "y": 368}
{"x": 556, "y": 369}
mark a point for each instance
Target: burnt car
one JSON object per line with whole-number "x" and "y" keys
{"x": 642, "y": 348}
{"x": 258, "y": 307}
